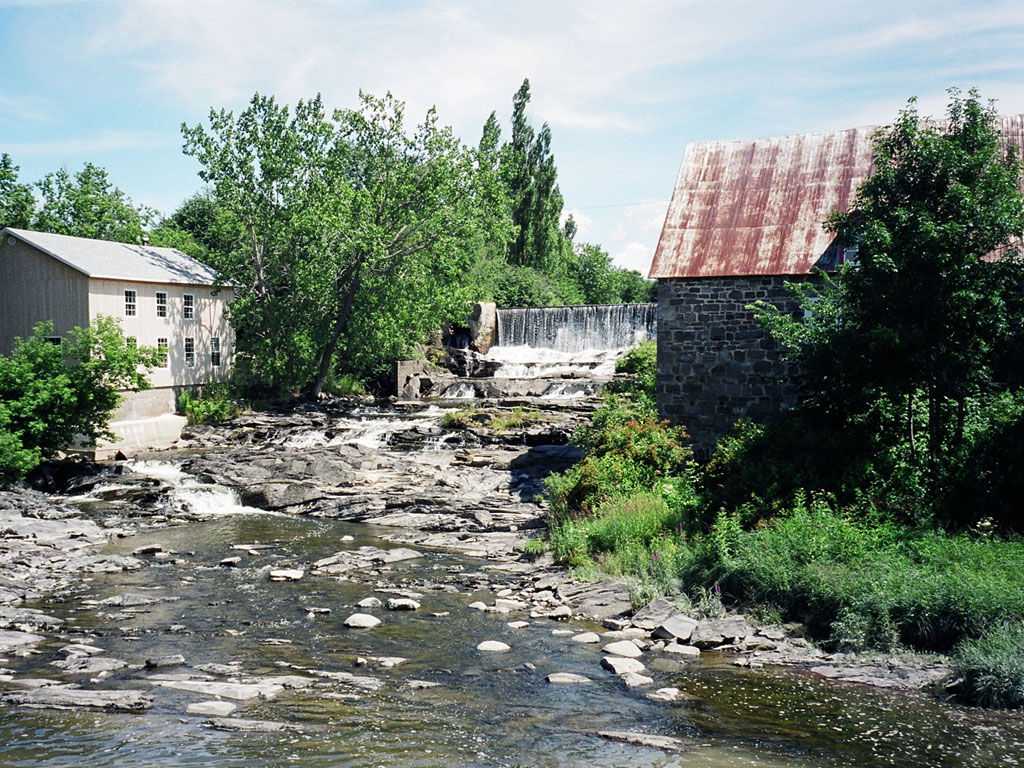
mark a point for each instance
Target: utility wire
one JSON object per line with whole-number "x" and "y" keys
{"x": 617, "y": 205}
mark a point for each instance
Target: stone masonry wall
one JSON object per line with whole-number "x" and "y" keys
{"x": 716, "y": 363}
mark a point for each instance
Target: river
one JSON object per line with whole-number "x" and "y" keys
{"x": 414, "y": 690}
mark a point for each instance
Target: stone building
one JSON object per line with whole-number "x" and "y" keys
{"x": 162, "y": 297}
{"x": 746, "y": 217}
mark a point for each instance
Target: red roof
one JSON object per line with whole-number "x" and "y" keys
{"x": 757, "y": 207}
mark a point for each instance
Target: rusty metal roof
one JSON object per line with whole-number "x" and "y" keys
{"x": 757, "y": 207}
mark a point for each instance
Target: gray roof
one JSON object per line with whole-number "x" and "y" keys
{"x": 119, "y": 261}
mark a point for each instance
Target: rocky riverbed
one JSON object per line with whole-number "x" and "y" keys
{"x": 349, "y": 571}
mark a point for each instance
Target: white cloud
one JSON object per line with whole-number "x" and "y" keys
{"x": 634, "y": 256}
{"x": 642, "y": 220}
{"x": 106, "y": 141}
{"x": 32, "y": 109}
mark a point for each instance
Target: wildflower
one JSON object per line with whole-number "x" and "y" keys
{"x": 718, "y": 589}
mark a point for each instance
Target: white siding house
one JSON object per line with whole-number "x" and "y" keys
{"x": 162, "y": 297}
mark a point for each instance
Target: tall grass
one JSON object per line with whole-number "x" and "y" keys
{"x": 992, "y": 667}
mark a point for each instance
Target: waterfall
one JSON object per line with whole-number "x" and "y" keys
{"x": 577, "y": 329}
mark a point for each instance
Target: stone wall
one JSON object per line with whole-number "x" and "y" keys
{"x": 716, "y": 363}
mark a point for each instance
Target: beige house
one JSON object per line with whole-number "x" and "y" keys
{"x": 162, "y": 297}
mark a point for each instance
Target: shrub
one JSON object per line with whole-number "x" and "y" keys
{"x": 213, "y": 404}
{"x": 344, "y": 385}
{"x": 52, "y": 394}
{"x": 627, "y": 454}
{"x": 992, "y": 667}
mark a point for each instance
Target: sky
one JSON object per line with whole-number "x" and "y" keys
{"x": 623, "y": 85}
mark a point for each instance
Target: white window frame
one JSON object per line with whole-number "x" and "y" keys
{"x": 161, "y": 303}
{"x": 161, "y": 344}
{"x": 215, "y": 351}
{"x": 131, "y": 303}
{"x": 188, "y": 306}
{"x": 190, "y": 352}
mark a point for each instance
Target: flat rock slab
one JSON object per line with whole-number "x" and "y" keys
{"x": 567, "y": 678}
{"x": 75, "y": 698}
{"x": 599, "y": 600}
{"x": 159, "y": 662}
{"x": 518, "y": 624}
{"x": 234, "y": 691}
{"x": 211, "y": 708}
{"x": 89, "y": 665}
{"x": 9, "y": 640}
{"x": 677, "y": 627}
{"x": 620, "y": 665}
{"x": 667, "y": 743}
{"x": 493, "y": 646}
{"x": 286, "y": 574}
{"x": 708, "y": 634}
{"x": 587, "y": 637}
{"x": 656, "y": 612}
{"x": 682, "y": 650}
{"x": 362, "y": 621}
{"x": 623, "y": 648}
{"x": 241, "y": 725}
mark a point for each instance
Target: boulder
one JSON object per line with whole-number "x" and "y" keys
{"x": 362, "y": 621}
{"x": 676, "y": 627}
{"x": 623, "y": 648}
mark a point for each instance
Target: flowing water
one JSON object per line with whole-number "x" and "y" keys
{"x": 577, "y": 329}
{"x": 446, "y": 703}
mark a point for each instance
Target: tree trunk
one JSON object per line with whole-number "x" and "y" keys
{"x": 327, "y": 353}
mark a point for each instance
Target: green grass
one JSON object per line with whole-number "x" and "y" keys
{"x": 992, "y": 667}
{"x": 517, "y": 418}
{"x": 344, "y": 386}
{"x": 460, "y": 419}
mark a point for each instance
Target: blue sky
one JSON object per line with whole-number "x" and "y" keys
{"x": 624, "y": 86}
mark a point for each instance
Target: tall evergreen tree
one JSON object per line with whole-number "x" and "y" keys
{"x": 17, "y": 205}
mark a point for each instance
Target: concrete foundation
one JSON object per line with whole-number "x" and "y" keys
{"x": 144, "y": 421}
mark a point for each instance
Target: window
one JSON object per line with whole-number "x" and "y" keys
{"x": 129, "y": 303}
{"x": 55, "y": 340}
{"x": 215, "y": 352}
{"x": 161, "y": 347}
{"x": 161, "y": 304}
{"x": 189, "y": 307}
{"x": 190, "y": 352}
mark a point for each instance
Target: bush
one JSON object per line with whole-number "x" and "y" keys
{"x": 627, "y": 454}
{"x": 213, "y": 404}
{"x": 51, "y": 395}
{"x": 992, "y": 667}
{"x": 343, "y": 385}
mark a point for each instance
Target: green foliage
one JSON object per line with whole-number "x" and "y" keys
{"x": 343, "y": 385}
{"x": 640, "y": 366}
{"x": 866, "y": 583}
{"x": 463, "y": 418}
{"x": 992, "y": 667}
{"x": 212, "y": 404}
{"x": 925, "y": 322}
{"x": 17, "y": 204}
{"x": 88, "y": 205}
{"x": 356, "y": 233}
{"x": 535, "y": 548}
{"x": 51, "y": 394}
{"x": 523, "y": 258}
{"x": 517, "y": 418}
{"x": 627, "y": 452}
